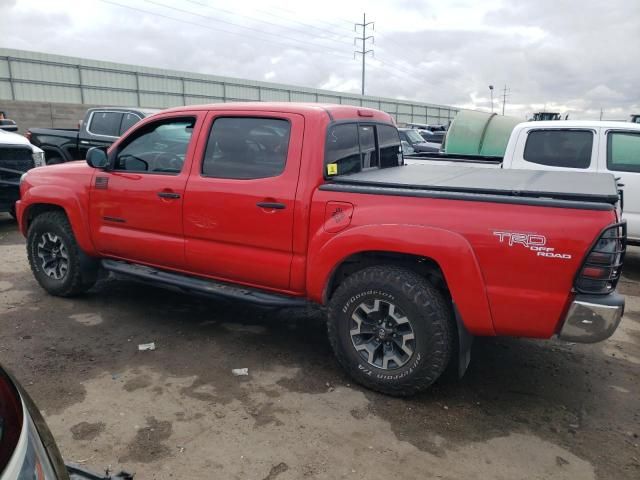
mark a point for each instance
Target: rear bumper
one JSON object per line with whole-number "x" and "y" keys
{"x": 592, "y": 318}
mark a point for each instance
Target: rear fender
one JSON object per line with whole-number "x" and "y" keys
{"x": 451, "y": 251}
{"x": 64, "y": 198}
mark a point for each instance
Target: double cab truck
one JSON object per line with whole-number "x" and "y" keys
{"x": 99, "y": 128}
{"x": 569, "y": 145}
{"x": 283, "y": 204}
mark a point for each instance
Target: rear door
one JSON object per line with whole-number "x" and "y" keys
{"x": 136, "y": 208}
{"x": 620, "y": 155}
{"x": 240, "y": 200}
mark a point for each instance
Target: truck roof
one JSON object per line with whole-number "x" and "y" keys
{"x": 581, "y": 124}
{"x": 334, "y": 111}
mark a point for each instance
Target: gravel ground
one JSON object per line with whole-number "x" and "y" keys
{"x": 525, "y": 409}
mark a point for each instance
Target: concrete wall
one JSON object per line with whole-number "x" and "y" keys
{"x": 43, "y": 114}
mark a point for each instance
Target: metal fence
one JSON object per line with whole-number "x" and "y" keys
{"x": 34, "y": 76}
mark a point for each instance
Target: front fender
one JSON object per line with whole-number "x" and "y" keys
{"x": 62, "y": 197}
{"x": 450, "y": 250}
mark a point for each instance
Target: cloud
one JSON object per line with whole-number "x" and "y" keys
{"x": 569, "y": 55}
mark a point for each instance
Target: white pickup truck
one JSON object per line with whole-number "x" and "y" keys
{"x": 589, "y": 146}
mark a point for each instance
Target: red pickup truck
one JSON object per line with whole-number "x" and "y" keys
{"x": 283, "y": 204}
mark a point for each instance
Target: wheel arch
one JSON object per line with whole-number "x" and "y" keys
{"x": 54, "y": 198}
{"x": 53, "y": 151}
{"x": 446, "y": 258}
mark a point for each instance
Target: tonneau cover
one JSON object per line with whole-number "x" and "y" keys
{"x": 561, "y": 185}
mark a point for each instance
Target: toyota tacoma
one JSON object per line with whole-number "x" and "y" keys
{"x": 282, "y": 204}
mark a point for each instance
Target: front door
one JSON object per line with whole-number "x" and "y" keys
{"x": 136, "y": 207}
{"x": 240, "y": 204}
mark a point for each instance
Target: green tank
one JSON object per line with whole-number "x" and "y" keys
{"x": 479, "y": 133}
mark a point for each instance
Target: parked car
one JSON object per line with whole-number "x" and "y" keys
{"x": 27, "y": 448}
{"x": 8, "y": 125}
{"x": 635, "y": 118}
{"x": 100, "y": 128}
{"x": 433, "y": 137}
{"x": 17, "y": 156}
{"x": 569, "y": 145}
{"x": 282, "y": 204}
{"x": 406, "y": 148}
{"x": 419, "y": 144}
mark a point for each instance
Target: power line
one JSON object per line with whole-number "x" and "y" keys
{"x": 279, "y": 25}
{"x": 392, "y": 69}
{"x": 214, "y": 19}
{"x": 364, "y": 39}
{"x": 231, "y": 32}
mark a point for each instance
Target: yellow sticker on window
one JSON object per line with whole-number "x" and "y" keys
{"x": 332, "y": 169}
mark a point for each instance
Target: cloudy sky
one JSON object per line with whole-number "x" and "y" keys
{"x": 572, "y": 56}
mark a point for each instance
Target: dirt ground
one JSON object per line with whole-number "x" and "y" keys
{"x": 525, "y": 409}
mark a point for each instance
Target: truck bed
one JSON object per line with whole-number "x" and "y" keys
{"x": 577, "y": 190}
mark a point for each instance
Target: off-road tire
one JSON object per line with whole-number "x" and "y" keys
{"x": 82, "y": 270}
{"x": 427, "y": 309}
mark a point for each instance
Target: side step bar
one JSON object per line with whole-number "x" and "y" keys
{"x": 199, "y": 285}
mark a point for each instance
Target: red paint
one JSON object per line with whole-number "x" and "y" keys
{"x": 215, "y": 229}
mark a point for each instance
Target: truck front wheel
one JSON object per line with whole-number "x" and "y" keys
{"x": 55, "y": 258}
{"x": 391, "y": 330}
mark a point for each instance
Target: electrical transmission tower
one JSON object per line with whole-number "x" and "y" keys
{"x": 363, "y": 39}
{"x": 505, "y": 94}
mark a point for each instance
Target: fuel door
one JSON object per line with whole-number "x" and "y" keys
{"x": 337, "y": 216}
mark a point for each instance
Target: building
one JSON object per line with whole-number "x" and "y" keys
{"x": 40, "y": 89}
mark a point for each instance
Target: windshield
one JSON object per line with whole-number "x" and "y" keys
{"x": 414, "y": 136}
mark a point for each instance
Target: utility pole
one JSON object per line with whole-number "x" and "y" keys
{"x": 505, "y": 94}
{"x": 363, "y": 39}
{"x": 601, "y": 112}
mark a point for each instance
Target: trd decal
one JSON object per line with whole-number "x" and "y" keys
{"x": 534, "y": 242}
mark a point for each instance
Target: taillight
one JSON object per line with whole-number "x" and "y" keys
{"x": 601, "y": 268}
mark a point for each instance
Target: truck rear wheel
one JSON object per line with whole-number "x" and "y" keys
{"x": 391, "y": 330}
{"x": 55, "y": 258}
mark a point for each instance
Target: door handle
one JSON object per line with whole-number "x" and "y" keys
{"x": 271, "y": 205}
{"x": 168, "y": 195}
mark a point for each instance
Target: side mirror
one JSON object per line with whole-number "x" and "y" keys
{"x": 97, "y": 158}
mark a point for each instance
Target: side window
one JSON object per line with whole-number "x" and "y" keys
{"x": 368, "y": 150}
{"x": 246, "y": 148}
{"x": 128, "y": 121}
{"x": 623, "y": 151}
{"x": 343, "y": 149}
{"x": 559, "y": 148}
{"x": 390, "y": 149}
{"x": 159, "y": 147}
{"x": 105, "y": 123}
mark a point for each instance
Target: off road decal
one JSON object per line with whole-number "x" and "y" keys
{"x": 366, "y": 293}
{"x": 534, "y": 242}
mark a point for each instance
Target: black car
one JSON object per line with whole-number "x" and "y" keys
{"x": 413, "y": 138}
{"x": 27, "y": 448}
{"x": 100, "y": 128}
